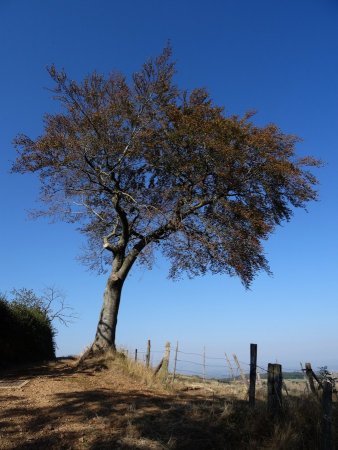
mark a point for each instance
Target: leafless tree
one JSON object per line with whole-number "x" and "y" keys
{"x": 52, "y": 302}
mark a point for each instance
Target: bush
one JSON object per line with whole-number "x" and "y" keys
{"x": 26, "y": 333}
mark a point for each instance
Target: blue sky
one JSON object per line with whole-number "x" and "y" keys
{"x": 277, "y": 57}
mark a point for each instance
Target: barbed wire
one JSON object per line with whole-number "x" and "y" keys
{"x": 190, "y": 362}
{"x": 190, "y": 353}
{"x": 227, "y": 371}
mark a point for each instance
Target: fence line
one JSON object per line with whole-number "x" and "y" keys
{"x": 206, "y": 365}
{"x": 273, "y": 374}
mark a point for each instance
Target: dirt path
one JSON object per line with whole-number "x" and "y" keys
{"x": 102, "y": 407}
{"x": 93, "y": 409}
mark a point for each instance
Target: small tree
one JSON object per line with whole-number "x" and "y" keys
{"x": 144, "y": 166}
{"x": 51, "y": 303}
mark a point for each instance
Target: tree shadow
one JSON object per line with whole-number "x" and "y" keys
{"x": 50, "y": 369}
{"x": 111, "y": 418}
{"x": 60, "y": 367}
{"x": 121, "y": 420}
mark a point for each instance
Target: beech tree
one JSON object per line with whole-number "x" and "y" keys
{"x": 143, "y": 166}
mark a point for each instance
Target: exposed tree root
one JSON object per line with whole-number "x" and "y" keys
{"x": 94, "y": 351}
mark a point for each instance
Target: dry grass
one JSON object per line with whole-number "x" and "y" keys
{"x": 121, "y": 364}
{"x": 114, "y": 403}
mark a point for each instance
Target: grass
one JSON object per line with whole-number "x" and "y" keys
{"x": 225, "y": 417}
{"x": 113, "y": 402}
{"x": 120, "y": 363}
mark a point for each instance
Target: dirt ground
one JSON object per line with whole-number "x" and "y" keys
{"x": 103, "y": 406}
{"x": 60, "y": 408}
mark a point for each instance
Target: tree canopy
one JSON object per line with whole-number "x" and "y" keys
{"x": 142, "y": 165}
{"x": 146, "y": 164}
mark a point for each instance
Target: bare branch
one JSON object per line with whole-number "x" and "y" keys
{"x": 51, "y": 302}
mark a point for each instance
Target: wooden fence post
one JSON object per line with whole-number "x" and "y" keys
{"x": 135, "y": 354}
{"x": 326, "y": 432}
{"x": 230, "y": 366}
{"x": 240, "y": 370}
{"x": 309, "y": 375}
{"x": 253, "y": 369}
{"x": 148, "y": 354}
{"x": 166, "y": 358}
{"x": 164, "y": 363}
{"x": 275, "y": 383}
{"x": 175, "y": 361}
{"x": 204, "y": 364}
{"x": 305, "y": 378}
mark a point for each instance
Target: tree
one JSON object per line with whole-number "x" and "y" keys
{"x": 144, "y": 166}
{"x": 51, "y": 303}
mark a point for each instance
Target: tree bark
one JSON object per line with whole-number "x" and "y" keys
{"x": 106, "y": 328}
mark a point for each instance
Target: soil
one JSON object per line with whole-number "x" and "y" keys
{"x": 100, "y": 408}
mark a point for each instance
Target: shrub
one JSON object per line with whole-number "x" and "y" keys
{"x": 26, "y": 333}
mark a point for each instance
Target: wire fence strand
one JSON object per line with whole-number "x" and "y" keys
{"x": 205, "y": 362}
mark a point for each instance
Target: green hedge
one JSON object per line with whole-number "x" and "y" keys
{"x": 26, "y": 334}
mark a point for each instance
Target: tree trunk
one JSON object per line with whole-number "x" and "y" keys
{"x": 106, "y": 328}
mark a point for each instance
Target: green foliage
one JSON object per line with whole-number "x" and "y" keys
{"x": 26, "y": 333}
{"x": 326, "y": 375}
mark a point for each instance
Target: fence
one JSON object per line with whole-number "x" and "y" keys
{"x": 224, "y": 367}
{"x": 250, "y": 373}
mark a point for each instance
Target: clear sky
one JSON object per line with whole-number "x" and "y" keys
{"x": 278, "y": 57}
